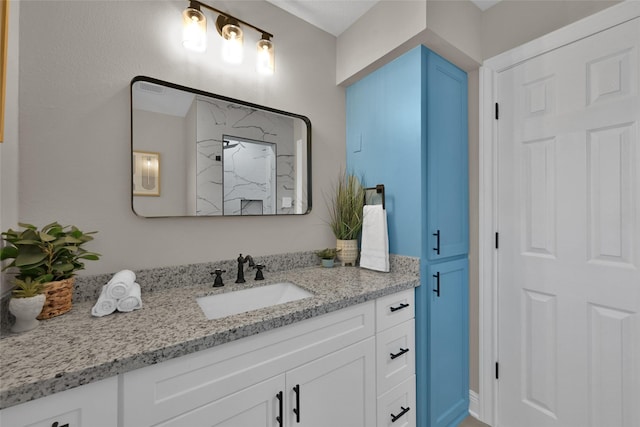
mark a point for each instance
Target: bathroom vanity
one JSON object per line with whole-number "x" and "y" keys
{"x": 342, "y": 357}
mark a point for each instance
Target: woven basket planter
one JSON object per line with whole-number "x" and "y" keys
{"x": 347, "y": 251}
{"x": 58, "y": 298}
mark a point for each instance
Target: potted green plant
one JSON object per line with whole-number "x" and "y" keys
{"x": 345, "y": 216}
{"x": 52, "y": 254}
{"x": 327, "y": 256}
{"x": 26, "y": 303}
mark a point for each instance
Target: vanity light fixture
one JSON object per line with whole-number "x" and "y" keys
{"x": 194, "y": 36}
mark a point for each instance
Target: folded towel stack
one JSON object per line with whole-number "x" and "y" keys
{"x": 122, "y": 293}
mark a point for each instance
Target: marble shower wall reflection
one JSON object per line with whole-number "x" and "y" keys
{"x": 255, "y": 172}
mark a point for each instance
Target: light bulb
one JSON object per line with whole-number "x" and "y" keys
{"x": 265, "y": 62}
{"x": 232, "y": 47}
{"x": 194, "y": 30}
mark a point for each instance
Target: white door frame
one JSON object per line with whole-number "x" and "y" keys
{"x": 488, "y": 182}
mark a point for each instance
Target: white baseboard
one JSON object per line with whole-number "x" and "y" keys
{"x": 474, "y": 404}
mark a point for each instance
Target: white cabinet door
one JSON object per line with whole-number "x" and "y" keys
{"x": 261, "y": 405}
{"x": 91, "y": 405}
{"x": 337, "y": 390}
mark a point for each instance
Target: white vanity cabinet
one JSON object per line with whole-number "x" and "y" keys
{"x": 91, "y": 405}
{"x": 395, "y": 360}
{"x": 321, "y": 366}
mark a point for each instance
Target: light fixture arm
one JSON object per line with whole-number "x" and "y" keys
{"x": 265, "y": 34}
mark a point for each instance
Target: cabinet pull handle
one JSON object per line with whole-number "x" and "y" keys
{"x": 437, "y": 289}
{"x": 395, "y": 418}
{"x": 400, "y": 353}
{"x": 296, "y": 410}
{"x": 56, "y": 424}
{"x": 279, "y": 417}
{"x": 400, "y": 307}
{"x": 437, "y": 248}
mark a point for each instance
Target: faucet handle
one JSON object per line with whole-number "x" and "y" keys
{"x": 217, "y": 282}
{"x": 259, "y": 275}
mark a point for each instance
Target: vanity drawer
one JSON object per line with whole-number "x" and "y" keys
{"x": 395, "y": 355}
{"x": 394, "y": 309}
{"x": 91, "y": 405}
{"x": 397, "y": 407}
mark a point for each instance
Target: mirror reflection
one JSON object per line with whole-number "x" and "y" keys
{"x": 215, "y": 156}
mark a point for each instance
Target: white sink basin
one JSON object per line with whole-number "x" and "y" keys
{"x": 222, "y": 305}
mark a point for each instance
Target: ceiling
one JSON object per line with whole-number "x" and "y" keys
{"x": 335, "y": 16}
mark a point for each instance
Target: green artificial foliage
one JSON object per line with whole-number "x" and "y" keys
{"x": 29, "y": 287}
{"x": 328, "y": 253}
{"x": 345, "y": 207}
{"x": 54, "y": 251}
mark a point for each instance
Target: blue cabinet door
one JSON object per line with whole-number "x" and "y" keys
{"x": 446, "y": 285}
{"x": 447, "y": 187}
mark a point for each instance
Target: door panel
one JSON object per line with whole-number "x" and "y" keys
{"x": 449, "y": 341}
{"x": 447, "y": 177}
{"x": 569, "y": 223}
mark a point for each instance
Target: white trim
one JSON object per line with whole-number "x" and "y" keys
{"x": 615, "y": 15}
{"x": 474, "y": 404}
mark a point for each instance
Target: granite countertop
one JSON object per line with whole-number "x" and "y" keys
{"x": 76, "y": 348}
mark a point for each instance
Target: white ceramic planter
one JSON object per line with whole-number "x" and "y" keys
{"x": 26, "y": 310}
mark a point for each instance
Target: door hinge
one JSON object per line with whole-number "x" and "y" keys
{"x": 497, "y": 111}
{"x": 497, "y": 370}
{"x": 497, "y": 240}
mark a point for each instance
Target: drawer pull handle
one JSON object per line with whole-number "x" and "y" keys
{"x": 437, "y": 236}
{"x": 395, "y": 418}
{"x": 437, "y": 289}
{"x": 56, "y": 424}
{"x": 400, "y": 307}
{"x": 296, "y": 410}
{"x": 279, "y": 417}
{"x": 400, "y": 353}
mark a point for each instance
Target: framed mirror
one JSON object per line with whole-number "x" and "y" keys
{"x": 194, "y": 153}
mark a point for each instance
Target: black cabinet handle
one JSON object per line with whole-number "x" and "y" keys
{"x": 437, "y": 248}
{"x": 395, "y": 418}
{"x": 56, "y": 424}
{"x": 279, "y": 417}
{"x": 296, "y": 410}
{"x": 437, "y": 289}
{"x": 400, "y": 353}
{"x": 400, "y": 307}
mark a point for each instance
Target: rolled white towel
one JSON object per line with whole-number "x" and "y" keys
{"x": 120, "y": 284}
{"x": 104, "y": 305}
{"x": 131, "y": 302}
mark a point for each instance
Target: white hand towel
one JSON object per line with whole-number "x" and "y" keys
{"x": 374, "y": 253}
{"x": 120, "y": 284}
{"x": 105, "y": 305}
{"x": 131, "y": 302}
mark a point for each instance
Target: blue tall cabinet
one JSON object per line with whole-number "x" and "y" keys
{"x": 407, "y": 129}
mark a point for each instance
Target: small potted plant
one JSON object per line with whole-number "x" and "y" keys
{"x": 52, "y": 254}
{"x": 345, "y": 216}
{"x": 26, "y": 303}
{"x": 327, "y": 256}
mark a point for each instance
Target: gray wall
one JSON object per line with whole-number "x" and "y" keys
{"x": 77, "y": 60}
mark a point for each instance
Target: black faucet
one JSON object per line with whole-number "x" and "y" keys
{"x": 217, "y": 282}
{"x": 241, "y": 261}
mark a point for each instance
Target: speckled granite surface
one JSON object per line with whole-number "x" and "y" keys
{"x": 76, "y": 349}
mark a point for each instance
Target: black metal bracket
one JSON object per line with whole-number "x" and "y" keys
{"x": 395, "y": 418}
{"x": 379, "y": 190}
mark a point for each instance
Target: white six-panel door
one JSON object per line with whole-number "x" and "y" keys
{"x": 569, "y": 224}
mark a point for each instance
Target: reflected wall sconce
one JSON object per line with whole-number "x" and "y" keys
{"x": 194, "y": 36}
